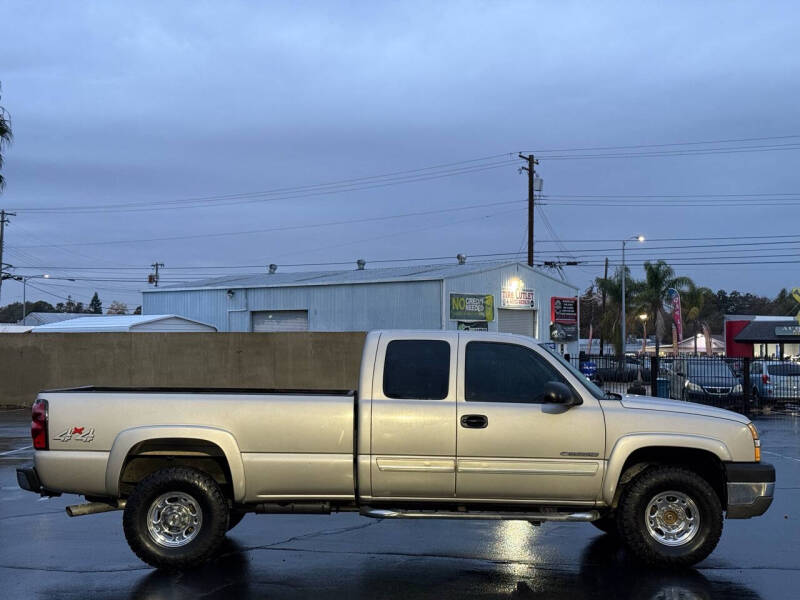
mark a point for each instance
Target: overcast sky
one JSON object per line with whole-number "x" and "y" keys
{"x": 137, "y": 103}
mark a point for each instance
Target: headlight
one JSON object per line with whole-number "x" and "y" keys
{"x": 737, "y": 389}
{"x": 756, "y": 441}
{"x": 693, "y": 387}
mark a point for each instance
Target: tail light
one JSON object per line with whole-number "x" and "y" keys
{"x": 765, "y": 378}
{"x": 39, "y": 424}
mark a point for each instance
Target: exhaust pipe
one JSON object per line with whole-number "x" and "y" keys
{"x": 91, "y": 508}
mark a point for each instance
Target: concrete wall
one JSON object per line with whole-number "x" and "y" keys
{"x": 30, "y": 363}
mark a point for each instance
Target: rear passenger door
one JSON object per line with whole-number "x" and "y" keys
{"x": 413, "y": 417}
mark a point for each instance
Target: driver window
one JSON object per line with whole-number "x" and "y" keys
{"x": 501, "y": 372}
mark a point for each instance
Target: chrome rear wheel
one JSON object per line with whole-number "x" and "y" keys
{"x": 174, "y": 519}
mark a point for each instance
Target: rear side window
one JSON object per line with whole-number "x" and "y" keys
{"x": 499, "y": 372}
{"x": 417, "y": 369}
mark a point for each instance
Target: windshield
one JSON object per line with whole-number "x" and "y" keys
{"x": 709, "y": 369}
{"x": 784, "y": 370}
{"x": 593, "y": 389}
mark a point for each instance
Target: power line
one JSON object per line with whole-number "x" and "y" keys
{"x": 431, "y": 172}
{"x": 281, "y": 228}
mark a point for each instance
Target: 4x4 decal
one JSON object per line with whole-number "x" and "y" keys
{"x": 80, "y": 434}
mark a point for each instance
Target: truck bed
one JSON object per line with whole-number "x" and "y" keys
{"x": 288, "y": 443}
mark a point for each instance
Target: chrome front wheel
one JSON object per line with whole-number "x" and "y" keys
{"x": 174, "y": 519}
{"x": 672, "y": 518}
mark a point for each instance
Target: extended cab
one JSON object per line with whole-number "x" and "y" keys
{"x": 457, "y": 425}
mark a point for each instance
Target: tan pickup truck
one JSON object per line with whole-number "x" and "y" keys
{"x": 453, "y": 425}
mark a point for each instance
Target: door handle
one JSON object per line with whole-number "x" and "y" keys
{"x": 475, "y": 421}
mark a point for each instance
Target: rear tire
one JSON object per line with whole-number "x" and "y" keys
{"x": 670, "y": 516}
{"x": 176, "y": 518}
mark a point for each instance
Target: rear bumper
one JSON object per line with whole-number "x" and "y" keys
{"x": 28, "y": 480}
{"x": 750, "y": 487}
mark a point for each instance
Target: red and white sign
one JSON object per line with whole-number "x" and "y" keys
{"x": 517, "y": 298}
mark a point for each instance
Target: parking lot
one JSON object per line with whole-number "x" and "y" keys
{"x": 45, "y": 554}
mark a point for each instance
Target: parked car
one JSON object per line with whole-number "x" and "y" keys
{"x": 775, "y": 381}
{"x": 705, "y": 381}
{"x": 444, "y": 425}
{"x": 614, "y": 369}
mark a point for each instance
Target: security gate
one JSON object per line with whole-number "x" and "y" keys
{"x": 522, "y": 322}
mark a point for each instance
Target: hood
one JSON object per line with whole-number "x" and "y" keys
{"x": 689, "y": 408}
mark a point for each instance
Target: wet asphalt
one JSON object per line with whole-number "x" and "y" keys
{"x": 45, "y": 554}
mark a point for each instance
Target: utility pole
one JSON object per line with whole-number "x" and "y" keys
{"x": 532, "y": 162}
{"x": 153, "y": 277}
{"x": 603, "y": 304}
{"x": 3, "y": 220}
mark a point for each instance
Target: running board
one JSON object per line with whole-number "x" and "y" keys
{"x": 399, "y": 513}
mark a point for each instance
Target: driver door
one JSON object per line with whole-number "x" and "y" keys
{"x": 511, "y": 446}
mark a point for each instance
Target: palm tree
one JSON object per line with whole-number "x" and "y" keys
{"x": 5, "y": 139}
{"x": 692, "y": 303}
{"x": 610, "y": 321}
{"x": 652, "y": 293}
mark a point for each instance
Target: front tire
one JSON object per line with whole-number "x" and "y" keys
{"x": 175, "y": 518}
{"x": 670, "y": 516}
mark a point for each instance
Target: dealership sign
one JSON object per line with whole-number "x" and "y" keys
{"x": 472, "y": 307}
{"x": 563, "y": 319}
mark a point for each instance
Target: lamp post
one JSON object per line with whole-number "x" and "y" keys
{"x": 643, "y": 318}
{"x": 638, "y": 238}
{"x": 24, "y": 280}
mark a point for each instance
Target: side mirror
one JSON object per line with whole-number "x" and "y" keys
{"x": 556, "y": 392}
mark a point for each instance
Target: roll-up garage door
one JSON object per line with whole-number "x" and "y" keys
{"x": 516, "y": 321}
{"x": 280, "y": 320}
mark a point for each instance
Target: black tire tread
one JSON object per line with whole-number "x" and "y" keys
{"x": 634, "y": 536}
{"x": 142, "y": 495}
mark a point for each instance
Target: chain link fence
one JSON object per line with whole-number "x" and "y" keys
{"x": 744, "y": 385}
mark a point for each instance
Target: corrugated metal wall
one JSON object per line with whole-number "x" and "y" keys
{"x": 348, "y": 307}
{"x": 415, "y": 304}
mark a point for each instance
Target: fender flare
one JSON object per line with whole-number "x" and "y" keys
{"x": 628, "y": 444}
{"x": 128, "y": 438}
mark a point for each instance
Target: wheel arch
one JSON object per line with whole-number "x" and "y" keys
{"x": 184, "y": 443}
{"x": 633, "y": 453}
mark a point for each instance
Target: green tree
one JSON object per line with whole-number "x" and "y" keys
{"x": 652, "y": 295}
{"x": 95, "y": 306}
{"x": 5, "y": 139}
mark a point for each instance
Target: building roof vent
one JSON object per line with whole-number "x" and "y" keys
{"x": 462, "y": 258}
{"x": 272, "y": 268}
{"x": 360, "y": 264}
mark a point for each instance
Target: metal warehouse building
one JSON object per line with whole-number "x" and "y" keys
{"x": 507, "y": 297}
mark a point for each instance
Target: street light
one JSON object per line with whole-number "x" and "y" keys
{"x": 643, "y": 318}
{"x": 24, "y": 280}
{"x": 638, "y": 238}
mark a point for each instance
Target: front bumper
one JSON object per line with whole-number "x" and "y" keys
{"x": 750, "y": 488}
{"x": 719, "y": 400}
